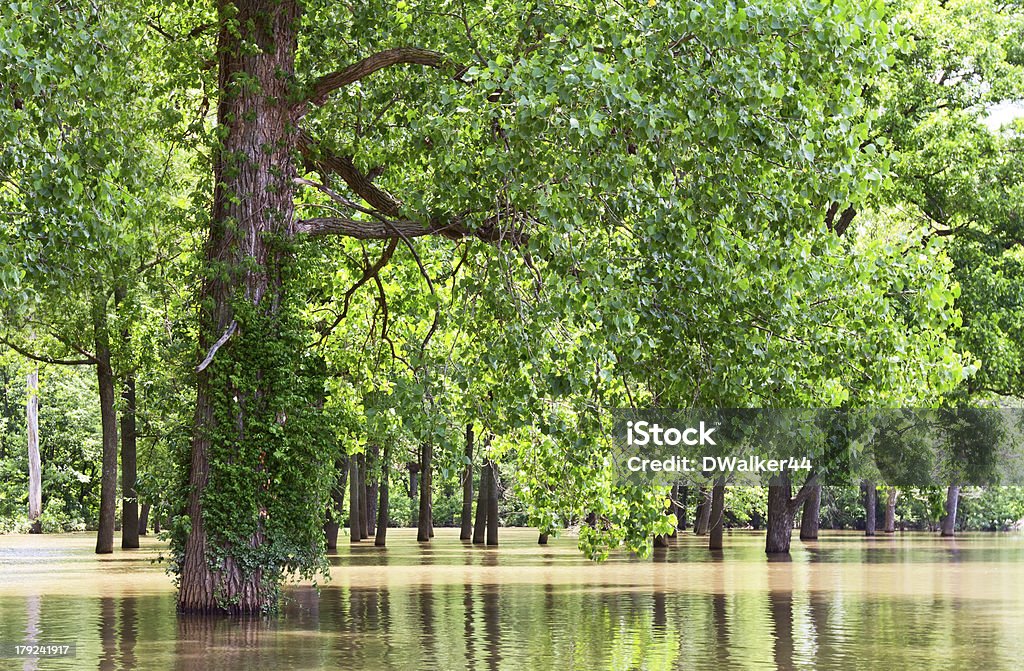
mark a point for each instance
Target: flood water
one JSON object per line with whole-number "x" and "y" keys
{"x": 913, "y": 601}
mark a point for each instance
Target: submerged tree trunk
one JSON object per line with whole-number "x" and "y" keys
{"x": 144, "y": 520}
{"x": 949, "y": 519}
{"x": 414, "y": 492}
{"x": 129, "y": 496}
{"x": 782, "y": 507}
{"x": 467, "y": 488}
{"x": 355, "y": 517}
{"x": 35, "y": 472}
{"x": 492, "y": 503}
{"x": 890, "y": 511}
{"x": 108, "y": 421}
{"x": 383, "y": 509}
{"x": 253, "y": 210}
{"x": 364, "y": 506}
{"x": 336, "y": 509}
{"x": 717, "y": 515}
{"x": 683, "y": 495}
{"x": 870, "y": 507}
{"x": 426, "y": 492}
{"x": 810, "y": 520}
{"x": 483, "y": 497}
{"x": 700, "y": 525}
{"x": 371, "y": 489}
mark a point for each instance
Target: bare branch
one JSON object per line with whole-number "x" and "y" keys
{"x": 338, "y": 79}
{"x": 44, "y": 359}
{"x": 230, "y": 331}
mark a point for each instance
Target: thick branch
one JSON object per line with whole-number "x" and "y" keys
{"x": 343, "y": 167}
{"x": 845, "y": 218}
{"x": 43, "y": 359}
{"x": 386, "y": 230}
{"x": 338, "y": 79}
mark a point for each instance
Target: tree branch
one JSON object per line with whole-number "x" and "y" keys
{"x": 324, "y": 86}
{"x": 343, "y": 167}
{"x": 42, "y": 359}
{"x": 230, "y": 331}
{"x": 407, "y": 228}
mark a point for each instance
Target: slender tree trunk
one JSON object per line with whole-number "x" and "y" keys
{"x": 414, "y": 492}
{"x": 703, "y": 512}
{"x": 870, "y": 507}
{"x": 542, "y": 539}
{"x": 383, "y": 509}
{"x": 129, "y": 495}
{"x": 426, "y": 492}
{"x": 35, "y": 471}
{"x": 467, "y": 488}
{"x": 717, "y": 514}
{"x": 952, "y": 501}
{"x": 810, "y": 520}
{"x": 364, "y": 506}
{"x": 492, "y": 503}
{"x": 890, "y": 510}
{"x": 144, "y": 520}
{"x": 252, "y": 206}
{"x": 355, "y": 517}
{"x": 684, "y": 492}
{"x": 480, "y": 527}
{"x": 108, "y": 421}
{"x": 336, "y": 511}
{"x": 372, "y": 468}
{"x": 673, "y": 507}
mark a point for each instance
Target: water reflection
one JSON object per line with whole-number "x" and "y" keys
{"x": 903, "y": 602}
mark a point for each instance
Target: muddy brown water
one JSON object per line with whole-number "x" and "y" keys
{"x": 909, "y": 601}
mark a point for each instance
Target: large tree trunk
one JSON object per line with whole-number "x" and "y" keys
{"x": 383, "y": 512}
{"x": 870, "y": 507}
{"x": 717, "y": 515}
{"x": 129, "y": 496}
{"x": 35, "y": 472}
{"x": 426, "y": 493}
{"x": 810, "y": 520}
{"x": 952, "y": 501}
{"x": 780, "y": 516}
{"x": 332, "y": 525}
{"x": 253, "y": 204}
{"x": 483, "y": 497}
{"x": 467, "y": 488}
{"x": 492, "y": 503}
{"x": 108, "y": 421}
{"x": 355, "y": 510}
{"x": 890, "y": 511}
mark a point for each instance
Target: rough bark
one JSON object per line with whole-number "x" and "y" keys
{"x": 35, "y": 473}
{"x": 949, "y": 519}
{"x": 355, "y": 517}
{"x": 337, "y": 506}
{"x": 492, "y": 503}
{"x": 890, "y": 511}
{"x": 870, "y": 507}
{"x": 467, "y": 488}
{"x": 129, "y": 472}
{"x": 108, "y": 421}
{"x": 426, "y": 492}
{"x": 782, "y": 507}
{"x": 717, "y": 515}
{"x": 810, "y": 520}
{"x": 383, "y": 508}
{"x": 480, "y": 527}
{"x": 253, "y": 202}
